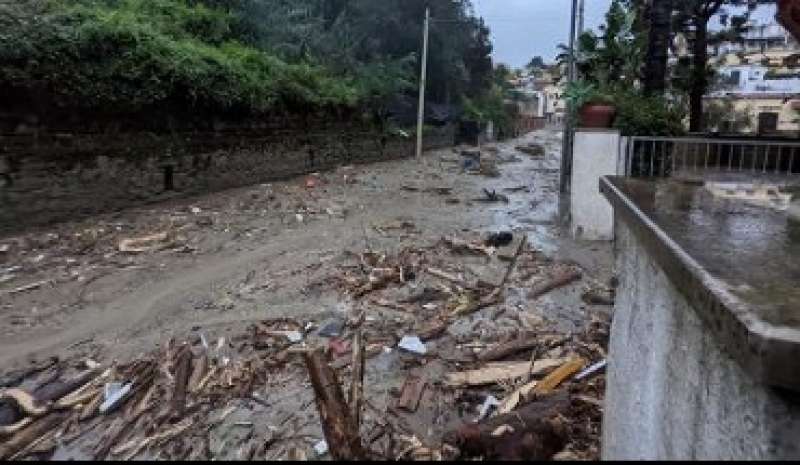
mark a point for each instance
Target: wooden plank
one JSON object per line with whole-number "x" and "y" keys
{"x": 411, "y": 393}
{"x": 560, "y": 280}
{"x": 559, "y": 375}
{"x": 494, "y": 372}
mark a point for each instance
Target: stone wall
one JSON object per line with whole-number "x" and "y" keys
{"x": 673, "y": 392}
{"x": 50, "y": 177}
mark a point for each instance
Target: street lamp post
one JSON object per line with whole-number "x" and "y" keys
{"x": 566, "y": 150}
{"x": 423, "y": 77}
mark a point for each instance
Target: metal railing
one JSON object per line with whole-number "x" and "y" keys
{"x": 669, "y": 156}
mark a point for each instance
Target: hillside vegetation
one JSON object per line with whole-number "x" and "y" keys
{"x": 242, "y": 56}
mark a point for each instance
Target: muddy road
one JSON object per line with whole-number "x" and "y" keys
{"x": 303, "y": 255}
{"x": 265, "y": 251}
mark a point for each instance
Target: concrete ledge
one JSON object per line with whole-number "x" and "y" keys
{"x": 769, "y": 353}
{"x": 673, "y": 392}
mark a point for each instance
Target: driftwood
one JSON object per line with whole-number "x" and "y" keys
{"x": 31, "y": 433}
{"x": 183, "y": 370}
{"x": 510, "y": 348}
{"x": 435, "y": 272}
{"x": 338, "y": 425}
{"x": 507, "y": 349}
{"x": 595, "y": 297}
{"x": 199, "y": 368}
{"x": 513, "y": 264}
{"x": 462, "y": 246}
{"x": 534, "y": 432}
{"x": 557, "y": 281}
{"x": 536, "y": 388}
{"x": 495, "y": 372}
{"x": 57, "y": 390}
{"x": 24, "y": 402}
{"x": 434, "y": 329}
{"x": 357, "y": 383}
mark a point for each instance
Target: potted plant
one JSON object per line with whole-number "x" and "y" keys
{"x": 595, "y": 108}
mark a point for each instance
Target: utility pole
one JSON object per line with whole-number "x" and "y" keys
{"x": 423, "y": 77}
{"x": 566, "y": 150}
{"x": 581, "y": 13}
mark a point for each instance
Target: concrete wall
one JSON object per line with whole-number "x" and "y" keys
{"x": 595, "y": 154}
{"x": 54, "y": 177}
{"x": 672, "y": 392}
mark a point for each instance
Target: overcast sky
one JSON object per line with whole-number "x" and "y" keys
{"x": 522, "y": 29}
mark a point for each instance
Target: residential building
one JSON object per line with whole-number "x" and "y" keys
{"x": 757, "y": 89}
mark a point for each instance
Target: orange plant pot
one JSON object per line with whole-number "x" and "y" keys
{"x": 596, "y": 115}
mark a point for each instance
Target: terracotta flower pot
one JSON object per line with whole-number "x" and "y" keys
{"x": 597, "y": 115}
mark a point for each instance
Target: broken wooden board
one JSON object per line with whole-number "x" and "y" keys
{"x": 560, "y": 280}
{"x": 515, "y": 398}
{"x": 559, "y": 375}
{"x": 411, "y": 393}
{"x": 495, "y": 372}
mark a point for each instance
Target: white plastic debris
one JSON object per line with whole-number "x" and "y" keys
{"x": 413, "y": 344}
{"x": 591, "y": 370}
{"x": 196, "y": 210}
{"x": 113, "y": 394}
{"x": 488, "y": 404}
{"x": 91, "y": 364}
{"x": 204, "y": 341}
{"x": 293, "y": 336}
{"x": 321, "y": 448}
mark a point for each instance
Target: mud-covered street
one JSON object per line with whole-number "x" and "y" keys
{"x": 305, "y": 257}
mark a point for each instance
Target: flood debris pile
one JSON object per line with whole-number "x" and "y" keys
{"x": 428, "y": 363}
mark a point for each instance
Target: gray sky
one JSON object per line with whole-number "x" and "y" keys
{"x": 522, "y": 29}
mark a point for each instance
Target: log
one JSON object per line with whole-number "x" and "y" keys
{"x": 507, "y": 349}
{"x": 357, "y": 382}
{"x": 434, "y": 329}
{"x": 494, "y": 372}
{"x": 31, "y": 433}
{"x": 513, "y": 263}
{"x": 557, "y": 281}
{"x": 341, "y": 431}
{"x": 58, "y": 389}
{"x": 199, "y": 368}
{"x": 533, "y": 432}
{"x": 183, "y": 369}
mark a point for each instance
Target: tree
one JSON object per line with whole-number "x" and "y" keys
{"x": 615, "y": 56}
{"x": 694, "y": 15}
{"x": 536, "y": 63}
{"x": 655, "y": 68}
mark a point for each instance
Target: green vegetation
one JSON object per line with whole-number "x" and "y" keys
{"x": 610, "y": 66}
{"x": 242, "y": 56}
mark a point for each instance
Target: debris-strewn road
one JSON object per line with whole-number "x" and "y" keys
{"x": 243, "y": 275}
